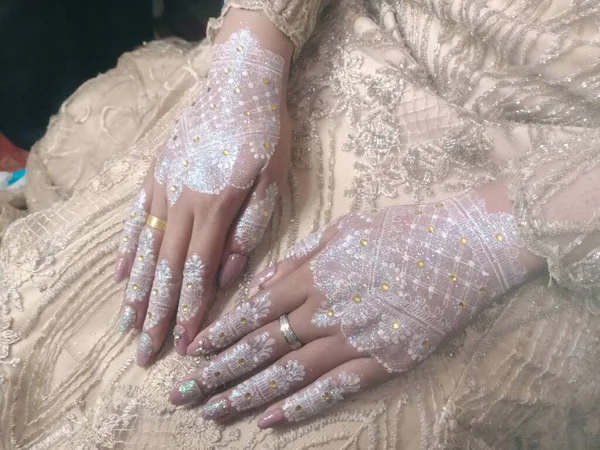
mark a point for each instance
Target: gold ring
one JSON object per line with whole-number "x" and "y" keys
{"x": 156, "y": 223}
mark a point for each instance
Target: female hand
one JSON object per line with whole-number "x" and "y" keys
{"x": 368, "y": 297}
{"x": 210, "y": 195}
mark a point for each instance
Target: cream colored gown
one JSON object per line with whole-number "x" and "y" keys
{"x": 394, "y": 102}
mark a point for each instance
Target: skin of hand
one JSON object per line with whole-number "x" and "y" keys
{"x": 215, "y": 184}
{"x": 369, "y": 297}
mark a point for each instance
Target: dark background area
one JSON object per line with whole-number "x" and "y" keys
{"x": 49, "y": 47}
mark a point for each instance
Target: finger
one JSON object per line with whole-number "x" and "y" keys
{"x": 301, "y": 252}
{"x": 259, "y": 348}
{"x": 132, "y": 230}
{"x": 253, "y": 313}
{"x": 294, "y": 371}
{"x": 167, "y": 280}
{"x": 248, "y": 232}
{"x": 197, "y": 288}
{"x": 330, "y": 389}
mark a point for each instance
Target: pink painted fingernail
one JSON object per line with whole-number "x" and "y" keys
{"x": 271, "y": 418}
{"x": 120, "y": 270}
{"x": 127, "y": 321}
{"x": 180, "y": 339}
{"x": 263, "y": 276}
{"x": 215, "y": 409}
{"x": 231, "y": 270}
{"x": 204, "y": 348}
{"x": 187, "y": 392}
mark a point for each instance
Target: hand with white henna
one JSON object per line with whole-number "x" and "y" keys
{"x": 357, "y": 303}
{"x": 208, "y": 198}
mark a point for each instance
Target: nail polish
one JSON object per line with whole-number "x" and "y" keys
{"x": 263, "y": 277}
{"x": 187, "y": 392}
{"x": 215, "y": 409}
{"x": 127, "y": 321}
{"x": 271, "y": 418}
{"x": 120, "y": 268}
{"x": 145, "y": 346}
{"x": 204, "y": 348}
{"x": 178, "y": 334}
{"x": 231, "y": 270}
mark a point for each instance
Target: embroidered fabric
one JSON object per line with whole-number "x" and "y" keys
{"x": 392, "y": 100}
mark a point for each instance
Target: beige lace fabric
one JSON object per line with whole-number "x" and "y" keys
{"x": 393, "y": 103}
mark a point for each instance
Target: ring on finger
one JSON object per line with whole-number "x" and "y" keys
{"x": 156, "y": 223}
{"x": 288, "y": 334}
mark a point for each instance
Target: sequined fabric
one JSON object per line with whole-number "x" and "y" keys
{"x": 393, "y": 102}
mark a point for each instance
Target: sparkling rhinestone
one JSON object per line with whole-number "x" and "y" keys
{"x": 135, "y": 287}
{"x": 430, "y": 229}
{"x": 247, "y": 113}
{"x": 237, "y": 90}
{"x": 364, "y": 242}
{"x": 189, "y": 285}
{"x": 266, "y": 81}
{"x": 242, "y": 362}
{"x": 330, "y": 312}
{"x": 499, "y": 236}
{"x": 149, "y": 315}
{"x": 217, "y": 374}
{"x": 213, "y": 106}
{"x": 227, "y": 71}
{"x": 265, "y": 213}
{"x": 222, "y": 335}
{"x": 185, "y": 308}
{"x": 273, "y": 384}
{"x": 385, "y": 287}
{"x": 133, "y": 215}
{"x": 418, "y": 211}
{"x": 243, "y": 321}
{"x": 154, "y": 291}
{"x": 461, "y": 305}
{"x": 140, "y": 258}
{"x": 196, "y": 139}
{"x": 396, "y": 325}
{"x": 425, "y": 343}
{"x": 266, "y": 145}
{"x": 482, "y": 290}
{"x": 299, "y": 409}
{"x": 173, "y": 188}
{"x": 374, "y": 211}
{"x": 273, "y": 106}
{"x": 452, "y": 277}
{"x": 463, "y": 240}
{"x": 226, "y": 152}
{"x": 357, "y": 298}
{"x": 326, "y": 396}
{"x": 240, "y": 48}
{"x": 420, "y": 264}
{"x": 125, "y": 238}
{"x": 185, "y": 163}
{"x": 247, "y": 396}
{"x": 438, "y": 205}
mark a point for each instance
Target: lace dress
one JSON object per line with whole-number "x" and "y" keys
{"x": 393, "y": 102}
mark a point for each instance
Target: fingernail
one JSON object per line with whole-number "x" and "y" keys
{"x": 179, "y": 337}
{"x": 127, "y": 319}
{"x": 271, "y": 418}
{"x": 231, "y": 270}
{"x": 263, "y": 276}
{"x": 145, "y": 349}
{"x": 120, "y": 270}
{"x": 204, "y": 347}
{"x": 186, "y": 392}
{"x": 215, "y": 409}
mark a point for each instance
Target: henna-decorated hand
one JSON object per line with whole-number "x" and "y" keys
{"x": 215, "y": 184}
{"x": 368, "y": 297}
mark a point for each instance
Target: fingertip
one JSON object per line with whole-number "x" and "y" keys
{"x": 200, "y": 348}
{"x": 120, "y": 269}
{"x": 260, "y": 279}
{"x": 231, "y": 270}
{"x": 128, "y": 318}
{"x": 186, "y": 392}
{"x": 271, "y": 419}
{"x": 145, "y": 350}
{"x": 180, "y": 340}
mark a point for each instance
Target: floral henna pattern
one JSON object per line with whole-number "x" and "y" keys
{"x": 255, "y": 220}
{"x": 229, "y": 134}
{"x": 142, "y": 272}
{"x": 319, "y": 396}
{"x": 161, "y": 296}
{"x": 192, "y": 289}
{"x": 134, "y": 224}
{"x": 402, "y": 278}
{"x": 266, "y": 386}
{"x": 305, "y": 246}
{"x": 247, "y": 317}
{"x": 241, "y": 359}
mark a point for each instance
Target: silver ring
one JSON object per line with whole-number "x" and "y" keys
{"x": 289, "y": 336}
